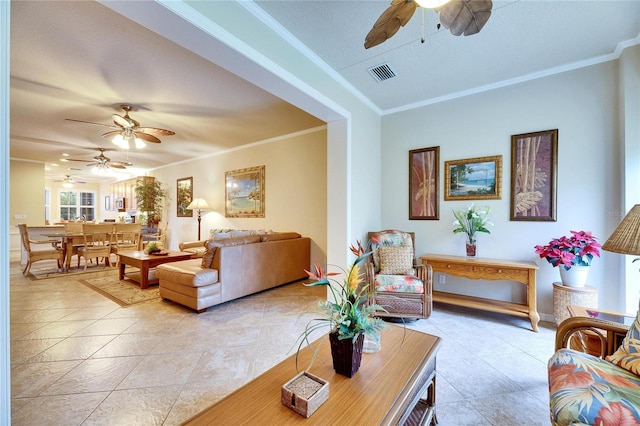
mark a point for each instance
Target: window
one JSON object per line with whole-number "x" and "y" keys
{"x": 75, "y": 205}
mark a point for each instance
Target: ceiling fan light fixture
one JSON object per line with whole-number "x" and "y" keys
{"x": 140, "y": 143}
{"x": 431, "y": 4}
{"x": 67, "y": 185}
{"x": 119, "y": 141}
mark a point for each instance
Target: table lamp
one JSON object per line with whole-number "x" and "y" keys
{"x": 198, "y": 204}
{"x": 626, "y": 238}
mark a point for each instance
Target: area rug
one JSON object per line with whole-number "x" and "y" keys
{"x": 124, "y": 293}
{"x": 44, "y": 270}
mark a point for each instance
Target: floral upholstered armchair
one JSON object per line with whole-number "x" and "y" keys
{"x": 595, "y": 390}
{"x": 396, "y": 281}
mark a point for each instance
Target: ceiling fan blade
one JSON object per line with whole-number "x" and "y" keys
{"x": 93, "y": 164}
{"x": 465, "y": 17}
{"x": 124, "y": 122}
{"x": 397, "y": 15}
{"x": 117, "y": 165}
{"x": 73, "y": 159}
{"x": 155, "y": 131}
{"x": 112, "y": 133}
{"x": 91, "y": 122}
{"x": 146, "y": 137}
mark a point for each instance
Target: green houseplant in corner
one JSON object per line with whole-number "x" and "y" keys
{"x": 348, "y": 315}
{"x": 150, "y": 195}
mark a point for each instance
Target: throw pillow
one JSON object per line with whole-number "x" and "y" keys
{"x": 240, "y": 233}
{"x": 209, "y": 253}
{"x": 628, "y": 354}
{"x": 221, "y": 235}
{"x": 395, "y": 260}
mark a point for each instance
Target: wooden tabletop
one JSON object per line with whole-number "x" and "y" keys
{"x": 376, "y": 394}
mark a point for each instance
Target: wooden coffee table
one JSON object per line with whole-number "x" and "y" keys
{"x": 388, "y": 388}
{"x": 146, "y": 262}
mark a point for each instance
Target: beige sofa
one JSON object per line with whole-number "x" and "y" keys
{"x": 235, "y": 267}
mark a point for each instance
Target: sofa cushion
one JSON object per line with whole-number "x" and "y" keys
{"x": 396, "y": 260}
{"x": 628, "y": 354}
{"x": 187, "y": 272}
{"x": 278, "y": 236}
{"x": 584, "y": 389}
{"x": 398, "y": 283}
{"x": 389, "y": 237}
{"x": 212, "y": 246}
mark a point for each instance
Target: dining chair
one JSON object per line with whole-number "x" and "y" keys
{"x": 160, "y": 236}
{"x": 97, "y": 238}
{"x": 38, "y": 254}
{"x": 126, "y": 237}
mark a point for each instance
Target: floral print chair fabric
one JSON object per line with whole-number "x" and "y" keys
{"x": 396, "y": 282}
{"x": 585, "y": 389}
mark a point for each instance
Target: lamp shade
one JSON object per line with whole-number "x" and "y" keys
{"x": 198, "y": 204}
{"x": 626, "y": 238}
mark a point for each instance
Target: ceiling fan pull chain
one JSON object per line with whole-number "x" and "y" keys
{"x": 422, "y": 38}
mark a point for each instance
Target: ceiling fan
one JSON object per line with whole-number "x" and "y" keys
{"x": 461, "y": 17}
{"x": 129, "y": 130}
{"x": 102, "y": 162}
{"x": 68, "y": 181}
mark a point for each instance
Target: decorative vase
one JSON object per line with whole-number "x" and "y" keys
{"x": 576, "y": 276}
{"x": 346, "y": 354}
{"x": 372, "y": 342}
{"x": 471, "y": 248}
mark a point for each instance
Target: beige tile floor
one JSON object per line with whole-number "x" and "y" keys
{"x": 77, "y": 358}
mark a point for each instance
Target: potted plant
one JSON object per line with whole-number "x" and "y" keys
{"x": 573, "y": 253}
{"x": 471, "y": 221}
{"x": 152, "y": 248}
{"x": 348, "y": 316}
{"x": 150, "y": 195}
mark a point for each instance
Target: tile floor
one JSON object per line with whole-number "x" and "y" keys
{"x": 77, "y": 358}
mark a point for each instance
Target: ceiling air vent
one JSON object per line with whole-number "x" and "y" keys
{"x": 382, "y": 72}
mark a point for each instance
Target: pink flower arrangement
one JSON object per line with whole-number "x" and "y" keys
{"x": 578, "y": 249}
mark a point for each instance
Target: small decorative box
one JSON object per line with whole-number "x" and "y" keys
{"x": 305, "y": 393}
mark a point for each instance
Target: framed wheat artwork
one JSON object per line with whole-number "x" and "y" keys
{"x": 423, "y": 183}
{"x": 534, "y": 163}
{"x": 473, "y": 179}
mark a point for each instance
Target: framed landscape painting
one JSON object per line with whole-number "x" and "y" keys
{"x": 534, "y": 162}
{"x": 184, "y": 196}
{"x": 473, "y": 179}
{"x": 423, "y": 183}
{"x": 245, "y": 192}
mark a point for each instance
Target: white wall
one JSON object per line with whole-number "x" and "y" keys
{"x": 295, "y": 190}
{"x": 583, "y": 105}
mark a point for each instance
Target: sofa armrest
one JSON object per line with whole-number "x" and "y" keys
{"x": 609, "y": 333}
{"x": 191, "y": 244}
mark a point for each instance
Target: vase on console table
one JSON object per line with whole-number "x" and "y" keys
{"x": 471, "y": 247}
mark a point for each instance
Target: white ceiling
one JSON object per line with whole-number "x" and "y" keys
{"x": 82, "y": 60}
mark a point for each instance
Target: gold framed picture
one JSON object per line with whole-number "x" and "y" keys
{"x": 473, "y": 179}
{"x": 244, "y": 192}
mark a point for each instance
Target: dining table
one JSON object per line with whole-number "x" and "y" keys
{"x": 67, "y": 240}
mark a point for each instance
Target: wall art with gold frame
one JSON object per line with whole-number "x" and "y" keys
{"x": 184, "y": 196}
{"x": 244, "y": 192}
{"x": 423, "y": 183}
{"x": 473, "y": 179}
{"x": 534, "y": 163}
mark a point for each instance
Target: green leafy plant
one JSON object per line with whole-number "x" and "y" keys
{"x": 150, "y": 195}
{"x": 152, "y": 247}
{"x": 472, "y": 220}
{"x": 348, "y": 314}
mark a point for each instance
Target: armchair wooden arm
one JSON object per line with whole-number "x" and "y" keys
{"x": 573, "y": 332}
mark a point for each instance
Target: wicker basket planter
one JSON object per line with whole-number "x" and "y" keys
{"x": 305, "y": 393}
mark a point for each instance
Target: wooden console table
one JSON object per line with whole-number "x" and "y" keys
{"x": 386, "y": 390}
{"x": 488, "y": 269}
